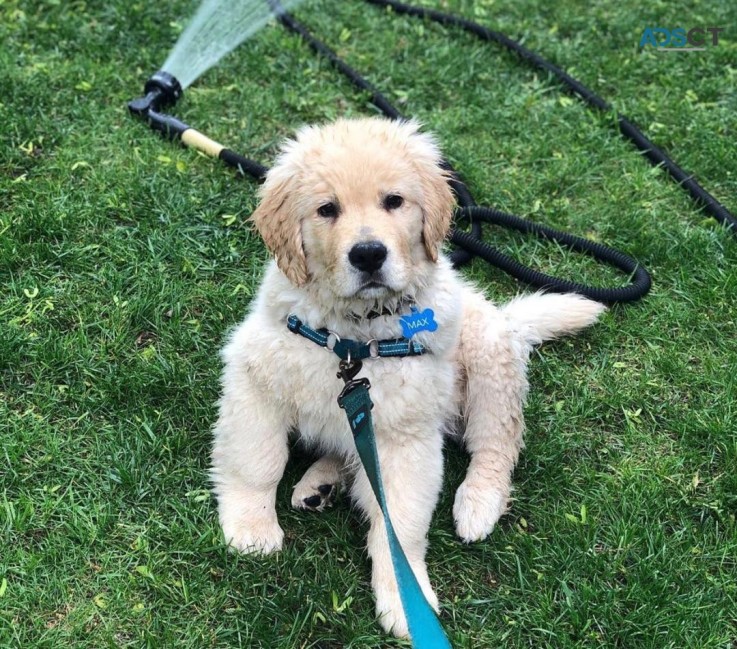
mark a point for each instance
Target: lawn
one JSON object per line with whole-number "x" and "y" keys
{"x": 125, "y": 259}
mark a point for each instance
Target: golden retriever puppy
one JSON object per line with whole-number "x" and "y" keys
{"x": 355, "y": 214}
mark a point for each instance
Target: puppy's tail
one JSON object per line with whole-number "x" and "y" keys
{"x": 543, "y": 316}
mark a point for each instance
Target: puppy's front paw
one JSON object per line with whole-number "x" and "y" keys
{"x": 476, "y": 510}
{"x": 260, "y": 536}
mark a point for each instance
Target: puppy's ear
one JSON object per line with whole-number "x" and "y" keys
{"x": 438, "y": 201}
{"x": 437, "y": 209}
{"x": 278, "y": 223}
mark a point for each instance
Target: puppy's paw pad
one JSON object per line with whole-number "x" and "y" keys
{"x": 326, "y": 489}
{"x": 254, "y": 537}
{"x": 476, "y": 510}
{"x": 314, "y": 499}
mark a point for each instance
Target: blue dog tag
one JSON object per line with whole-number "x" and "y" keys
{"x": 418, "y": 321}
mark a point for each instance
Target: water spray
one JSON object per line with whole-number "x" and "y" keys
{"x": 217, "y": 28}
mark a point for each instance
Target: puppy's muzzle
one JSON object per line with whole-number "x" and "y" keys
{"x": 368, "y": 256}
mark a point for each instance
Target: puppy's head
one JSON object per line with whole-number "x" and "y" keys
{"x": 361, "y": 206}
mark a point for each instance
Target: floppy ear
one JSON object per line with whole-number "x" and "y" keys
{"x": 437, "y": 209}
{"x": 438, "y": 199}
{"x": 278, "y": 223}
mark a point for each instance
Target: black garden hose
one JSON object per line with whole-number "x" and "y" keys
{"x": 656, "y": 156}
{"x": 640, "y": 279}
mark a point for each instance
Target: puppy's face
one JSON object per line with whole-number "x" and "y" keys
{"x": 360, "y": 206}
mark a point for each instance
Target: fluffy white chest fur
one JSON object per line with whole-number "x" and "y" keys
{"x": 412, "y": 394}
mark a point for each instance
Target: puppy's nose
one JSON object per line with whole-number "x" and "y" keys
{"x": 368, "y": 256}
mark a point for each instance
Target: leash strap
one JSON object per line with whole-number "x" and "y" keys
{"x": 424, "y": 626}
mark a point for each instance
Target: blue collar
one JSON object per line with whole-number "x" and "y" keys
{"x": 345, "y": 348}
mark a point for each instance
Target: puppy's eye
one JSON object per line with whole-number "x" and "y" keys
{"x": 393, "y": 202}
{"x": 328, "y": 210}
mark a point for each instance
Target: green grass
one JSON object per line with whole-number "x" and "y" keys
{"x": 125, "y": 259}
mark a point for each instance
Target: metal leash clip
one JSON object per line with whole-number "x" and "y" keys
{"x": 347, "y": 370}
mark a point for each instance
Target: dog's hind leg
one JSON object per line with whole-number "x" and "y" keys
{"x": 319, "y": 485}
{"x": 495, "y": 347}
{"x": 494, "y": 364}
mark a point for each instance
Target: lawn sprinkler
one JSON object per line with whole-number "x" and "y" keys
{"x": 163, "y": 90}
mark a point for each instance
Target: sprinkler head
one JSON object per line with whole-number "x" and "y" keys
{"x": 162, "y": 90}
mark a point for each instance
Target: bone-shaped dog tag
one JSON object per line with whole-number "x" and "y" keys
{"x": 418, "y": 321}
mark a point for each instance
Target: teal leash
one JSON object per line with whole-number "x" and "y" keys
{"x": 424, "y": 626}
